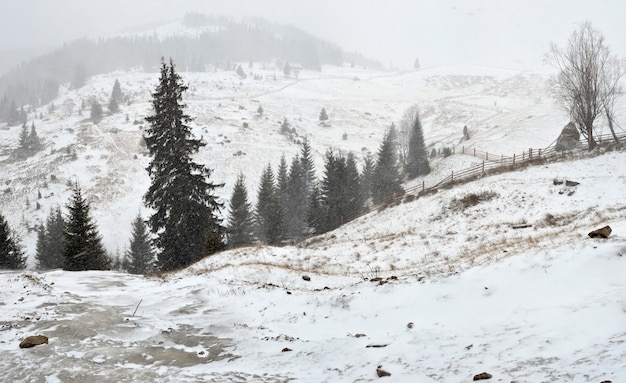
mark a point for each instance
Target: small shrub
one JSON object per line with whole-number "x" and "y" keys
{"x": 550, "y": 220}
{"x": 472, "y": 199}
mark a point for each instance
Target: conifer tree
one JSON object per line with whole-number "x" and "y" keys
{"x": 140, "y": 255}
{"x": 116, "y": 92}
{"x": 23, "y": 138}
{"x": 83, "y": 248}
{"x": 308, "y": 166}
{"x": 367, "y": 175}
{"x": 295, "y": 209}
{"x": 386, "y": 177}
{"x": 268, "y": 214}
{"x": 185, "y": 219}
{"x": 332, "y": 191}
{"x": 417, "y": 162}
{"x": 353, "y": 193}
{"x": 12, "y": 255}
{"x": 315, "y": 212}
{"x": 240, "y": 229}
{"x": 323, "y": 116}
{"x": 34, "y": 143}
{"x": 50, "y": 239}
{"x": 113, "y": 106}
{"x": 96, "y": 112}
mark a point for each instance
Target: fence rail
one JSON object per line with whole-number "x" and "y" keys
{"x": 492, "y": 164}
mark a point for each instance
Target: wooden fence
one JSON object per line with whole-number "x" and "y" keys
{"x": 492, "y": 164}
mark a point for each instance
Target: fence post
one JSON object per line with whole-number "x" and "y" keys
{"x": 513, "y": 159}
{"x": 523, "y": 156}
{"x": 487, "y": 156}
{"x": 539, "y": 152}
{"x": 452, "y": 177}
{"x": 530, "y": 153}
{"x": 423, "y": 187}
{"x": 483, "y": 167}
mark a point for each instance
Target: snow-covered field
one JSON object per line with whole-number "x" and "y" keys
{"x": 460, "y": 291}
{"x": 505, "y": 111}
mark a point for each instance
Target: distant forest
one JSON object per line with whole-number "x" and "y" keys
{"x": 36, "y": 82}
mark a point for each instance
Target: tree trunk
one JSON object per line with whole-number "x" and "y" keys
{"x": 590, "y": 140}
{"x": 609, "y": 118}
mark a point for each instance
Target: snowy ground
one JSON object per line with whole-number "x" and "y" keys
{"x": 506, "y": 112}
{"x": 543, "y": 303}
{"x": 462, "y": 293}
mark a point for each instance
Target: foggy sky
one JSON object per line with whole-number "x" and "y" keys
{"x": 513, "y": 33}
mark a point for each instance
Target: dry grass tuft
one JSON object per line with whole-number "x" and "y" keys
{"x": 472, "y": 199}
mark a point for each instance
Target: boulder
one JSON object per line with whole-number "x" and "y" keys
{"x": 602, "y": 232}
{"x": 482, "y": 376}
{"x": 382, "y": 373}
{"x": 569, "y": 138}
{"x": 32, "y": 341}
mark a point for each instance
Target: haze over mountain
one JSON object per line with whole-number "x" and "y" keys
{"x": 512, "y": 34}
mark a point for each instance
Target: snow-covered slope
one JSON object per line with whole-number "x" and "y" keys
{"x": 433, "y": 290}
{"x": 505, "y": 111}
{"x": 430, "y": 291}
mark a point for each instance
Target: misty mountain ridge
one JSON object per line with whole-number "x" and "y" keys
{"x": 196, "y": 43}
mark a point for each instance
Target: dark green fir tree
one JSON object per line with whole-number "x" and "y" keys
{"x": 240, "y": 229}
{"x": 83, "y": 249}
{"x": 12, "y": 256}
{"x": 185, "y": 219}
{"x": 140, "y": 255}
{"x": 386, "y": 177}
{"x": 50, "y": 237}
{"x": 417, "y": 162}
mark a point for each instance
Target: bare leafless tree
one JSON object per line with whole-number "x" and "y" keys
{"x": 404, "y": 133}
{"x": 588, "y": 80}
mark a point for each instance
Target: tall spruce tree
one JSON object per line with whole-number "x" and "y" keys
{"x": 116, "y": 92}
{"x": 240, "y": 229}
{"x": 353, "y": 191}
{"x": 83, "y": 248}
{"x": 140, "y": 255}
{"x": 282, "y": 197}
{"x": 316, "y": 215}
{"x": 268, "y": 213}
{"x": 386, "y": 177}
{"x": 185, "y": 219}
{"x": 34, "y": 143}
{"x": 417, "y": 162}
{"x": 50, "y": 237}
{"x": 12, "y": 255}
{"x": 308, "y": 166}
{"x": 23, "y": 139}
{"x": 295, "y": 210}
{"x": 367, "y": 175}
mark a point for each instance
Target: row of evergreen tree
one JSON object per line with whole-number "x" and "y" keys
{"x": 74, "y": 243}
{"x": 185, "y": 224}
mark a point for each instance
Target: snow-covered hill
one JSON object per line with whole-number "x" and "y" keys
{"x": 505, "y": 111}
{"x": 433, "y": 290}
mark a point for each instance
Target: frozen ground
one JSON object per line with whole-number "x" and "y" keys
{"x": 538, "y": 304}
{"x": 506, "y": 112}
{"x": 462, "y": 292}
